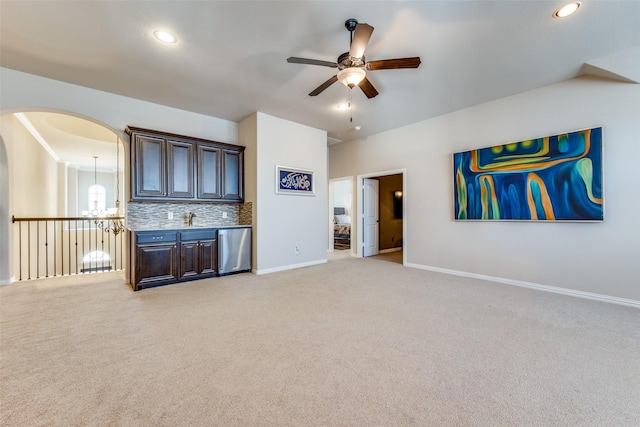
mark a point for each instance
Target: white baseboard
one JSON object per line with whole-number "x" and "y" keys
{"x": 537, "y": 286}
{"x": 7, "y": 281}
{"x": 289, "y": 267}
{"x": 386, "y": 251}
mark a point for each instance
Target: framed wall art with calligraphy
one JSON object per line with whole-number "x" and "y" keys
{"x": 294, "y": 181}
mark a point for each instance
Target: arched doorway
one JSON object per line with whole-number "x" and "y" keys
{"x": 48, "y": 161}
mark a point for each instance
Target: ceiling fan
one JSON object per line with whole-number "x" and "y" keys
{"x": 352, "y": 65}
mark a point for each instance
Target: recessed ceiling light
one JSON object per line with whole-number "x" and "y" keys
{"x": 163, "y": 36}
{"x": 342, "y": 106}
{"x": 567, "y": 9}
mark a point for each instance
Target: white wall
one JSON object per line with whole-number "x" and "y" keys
{"x": 283, "y": 221}
{"x": 72, "y": 191}
{"x": 342, "y": 194}
{"x": 33, "y": 182}
{"x": 5, "y": 274}
{"x": 27, "y": 92}
{"x": 595, "y": 258}
{"x": 248, "y": 136}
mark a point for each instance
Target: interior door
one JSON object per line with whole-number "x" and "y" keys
{"x": 370, "y": 219}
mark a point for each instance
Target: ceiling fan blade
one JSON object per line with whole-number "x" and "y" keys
{"x": 392, "y": 64}
{"x": 368, "y": 88}
{"x": 323, "y": 86}
{"x": 294, "y": 60}
{"x": 361, "y": 36}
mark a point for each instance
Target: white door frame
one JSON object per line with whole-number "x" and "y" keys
{"x": 5, "y": 254}
{"x": 370, "y": 217}
{"x": 358, "y": 224}
{"x": 330, "y": 241}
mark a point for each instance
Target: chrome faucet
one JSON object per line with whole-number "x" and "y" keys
{"x": 188, "y": 218}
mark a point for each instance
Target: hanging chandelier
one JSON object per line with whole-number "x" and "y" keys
{"x": 114, "y": 222}
{"x": 109, "y": 221}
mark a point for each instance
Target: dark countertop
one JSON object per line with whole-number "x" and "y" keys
{"x": 172, "y": 227}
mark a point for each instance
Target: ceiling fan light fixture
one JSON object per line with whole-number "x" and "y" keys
{"x": 351, "y": 76}
{"x": 567, "y": 9}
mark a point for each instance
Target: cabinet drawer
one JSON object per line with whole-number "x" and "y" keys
{"x": 156, "y": 236}
{"x": 204, "y": 234}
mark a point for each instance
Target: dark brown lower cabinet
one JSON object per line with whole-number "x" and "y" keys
{"x": 154, "y": 259}
{"x": 209, "y": 257}
{"x": 199, "y": 258}
{"x": 164, "y": 257}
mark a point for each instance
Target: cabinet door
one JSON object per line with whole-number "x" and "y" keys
{"x": 232, "y": 169}
{"x": 189, "y": 259}
{"x": 209, "y": 256}
{"x": 150, "y": 179}
{"x": 155, "y": 265}
{"x": 209, "y": 159}
{"x": 179, "y": 169}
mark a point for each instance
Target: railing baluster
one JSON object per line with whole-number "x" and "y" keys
{"x": 38, "y": 249}
{"x": 29, "y": 250}
{"x": 61, "y": 248}
{"x": 69, "y": 228}
{"x": 82, "y": 252}
{"x": 76, "y": 257}
{"x": 46, "y": 248}
{"x": 115, "y": 251}
{"x": 20, "y": 247}
{"x": 102, "y": 247}
{"x": 35, "y": 254}
{"x": 109, "y": 250}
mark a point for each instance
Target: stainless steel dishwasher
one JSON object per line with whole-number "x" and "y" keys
{"x": 234, "y": 250}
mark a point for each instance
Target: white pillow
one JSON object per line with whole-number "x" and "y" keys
{"x": 343, "y": 219}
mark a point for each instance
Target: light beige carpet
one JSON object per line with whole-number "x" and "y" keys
{"x": 353, "y": 342}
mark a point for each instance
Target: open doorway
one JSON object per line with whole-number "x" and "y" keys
{"x": 55, "y": 164}
{"x": 381, "y": 211}
{"x": 341, "y": 218}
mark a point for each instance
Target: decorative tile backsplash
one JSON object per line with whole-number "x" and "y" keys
{"x": 155, "y": 215}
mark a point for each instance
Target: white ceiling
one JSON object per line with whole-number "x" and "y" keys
{"x": 76, "y": 141}
{"x": 230, "y": 58}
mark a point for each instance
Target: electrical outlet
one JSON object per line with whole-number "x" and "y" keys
{"x": 297, "y": 250}
{"x": 224, "y": 215}
{"x": 170, "y": 215}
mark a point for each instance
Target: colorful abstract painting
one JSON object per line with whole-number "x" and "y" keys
{"x": 556, "y": 178}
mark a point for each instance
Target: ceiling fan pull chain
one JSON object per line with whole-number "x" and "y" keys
{"x": 350, "y": 110}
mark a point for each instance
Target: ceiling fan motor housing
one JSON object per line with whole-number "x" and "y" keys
{"x": 346, "y": 61}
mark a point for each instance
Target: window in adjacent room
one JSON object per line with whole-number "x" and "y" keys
{"x": 97, "y": 198}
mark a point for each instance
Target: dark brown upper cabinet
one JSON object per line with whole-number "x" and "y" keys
{"x": 180, "y": 169}
{"x": 209, "y": 173}
{"x": 169, "y": 167}
{"x": 150, "y": 167}
{"x": 232, "y": 175}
